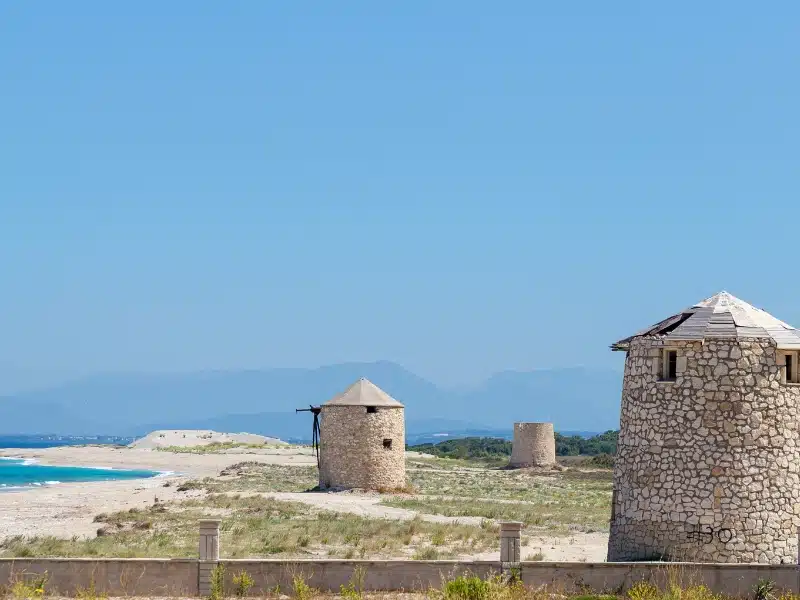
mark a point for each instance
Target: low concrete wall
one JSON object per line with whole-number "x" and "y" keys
{"x": 151, "y": 577}
{"x": 329, "y": 575}
{"x": 114, "y": 577}
{"x": 729, "y": 579}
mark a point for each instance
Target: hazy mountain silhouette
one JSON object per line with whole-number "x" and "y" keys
{"x": 263, "y": 401}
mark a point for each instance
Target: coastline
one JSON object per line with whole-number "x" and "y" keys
{"x": 68, "y": 509}
{"x": 66, "y": 474}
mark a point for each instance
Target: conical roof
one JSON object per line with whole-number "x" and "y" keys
{"x": 364, "y": 393}
{"x": 721, "y": 316}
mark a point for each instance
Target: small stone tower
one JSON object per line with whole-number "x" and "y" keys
{"x": 708, "y": 460}
{"x": 534, "y": 445}
{"x": 363, "y": 440}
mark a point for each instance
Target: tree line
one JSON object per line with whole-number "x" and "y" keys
{"x": 485, "y": 448}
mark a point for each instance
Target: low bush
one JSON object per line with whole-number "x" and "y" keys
{"x": 218, "y": 582}
{"x": 467, "y": 588}
{"x": 242, "y": 583}
{"x": 302, "y": 591}
{"x": 31, "y": 588}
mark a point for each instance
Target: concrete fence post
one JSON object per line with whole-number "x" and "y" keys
{"x": 797, "y": 577}
{"x": 209, "y": 554}
{"x": 798, "y": 560}
{"x": 510, "y": 534}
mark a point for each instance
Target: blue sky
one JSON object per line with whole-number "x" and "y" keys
{"x": 458, "y": 187}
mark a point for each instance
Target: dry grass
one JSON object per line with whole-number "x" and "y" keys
{"x": 509, "y": 484}
{"x": 556, "y": 517}
{"x": 570, "y": 500}
{"x": 255, "y": 526}
{"x": 216, "y": 448}
{"x": 255, "y": 476}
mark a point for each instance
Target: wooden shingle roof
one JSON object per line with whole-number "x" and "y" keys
{"x": 364, "y": 393}
{"x": 720, "y": 316}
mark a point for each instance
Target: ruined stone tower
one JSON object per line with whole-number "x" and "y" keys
{"x": 708, "y": 461}
{"x": 534, "y": 445}
{"x": 362, "y": 440}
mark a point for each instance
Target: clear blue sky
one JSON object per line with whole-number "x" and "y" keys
{"x": 457, "y": 186}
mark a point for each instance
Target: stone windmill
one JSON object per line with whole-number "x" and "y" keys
{"x": 362, "y": 440}
{"x": 708, "y": 460}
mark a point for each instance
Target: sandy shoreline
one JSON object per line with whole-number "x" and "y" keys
{"x": 196, "y": 465}
{"x": 68, "y": 509}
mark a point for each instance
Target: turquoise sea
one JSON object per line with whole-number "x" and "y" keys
{"x": 19, "y": 473}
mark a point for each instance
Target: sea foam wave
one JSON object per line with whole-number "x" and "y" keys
{"x": 19, "y": 459}
{"x": 13, "y": 474}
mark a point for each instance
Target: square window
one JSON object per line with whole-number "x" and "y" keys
{"x": 387, "y": 444}
{"x": 372, "y": 409}
{"x": 790, "y": 367}
{"x": 669, "y": 365}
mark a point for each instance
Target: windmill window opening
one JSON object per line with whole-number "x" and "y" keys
{"x": 669, "y": 364}
{"x": 791, "y": 367}
{"x": 387, "y": 444}
{"x": 372, "y": 409}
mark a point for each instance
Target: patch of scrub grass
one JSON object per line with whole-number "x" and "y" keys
{"x": 574, "y": 498}
{"x": 507, "y": 484}
{"x": 536, "y": 556}
{"x": 427, "y": 553}
{"x": 592, "y": 486}
{"x": 22, "y": 588}
{"x": 496, "y": 587}
{"x": 152, "y": 532}
{"x": 346, "y": 535}
{"x": 215, "y": 448}
{"x": 257, "y": 477}
{"x": 254, "y": 526}
{"x": 446, "y": 464}
{"x": 553, "y": 515}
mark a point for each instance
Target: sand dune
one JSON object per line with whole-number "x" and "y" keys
{"x": 199, "y": 437}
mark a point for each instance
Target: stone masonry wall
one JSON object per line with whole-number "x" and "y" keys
{"x": 352, "y": 452}
{"x": 534, "y": 445}
{"x": 707, "y": 466}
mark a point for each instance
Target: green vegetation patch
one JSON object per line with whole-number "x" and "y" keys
{"x": 498, "y": 450}
{"x": 574, "y": 445}
{"x": 474, "y": 448}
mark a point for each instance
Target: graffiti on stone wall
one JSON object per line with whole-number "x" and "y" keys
{"x": 706, "y": 534}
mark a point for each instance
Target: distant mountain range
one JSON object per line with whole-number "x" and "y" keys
{"x": 263, "y": 401}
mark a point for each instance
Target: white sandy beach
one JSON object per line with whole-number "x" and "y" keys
{"x": 65, "y": 510}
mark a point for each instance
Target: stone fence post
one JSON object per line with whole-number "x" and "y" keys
{"x": 510, "y": 534}
{"x": 209, "y": 554}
